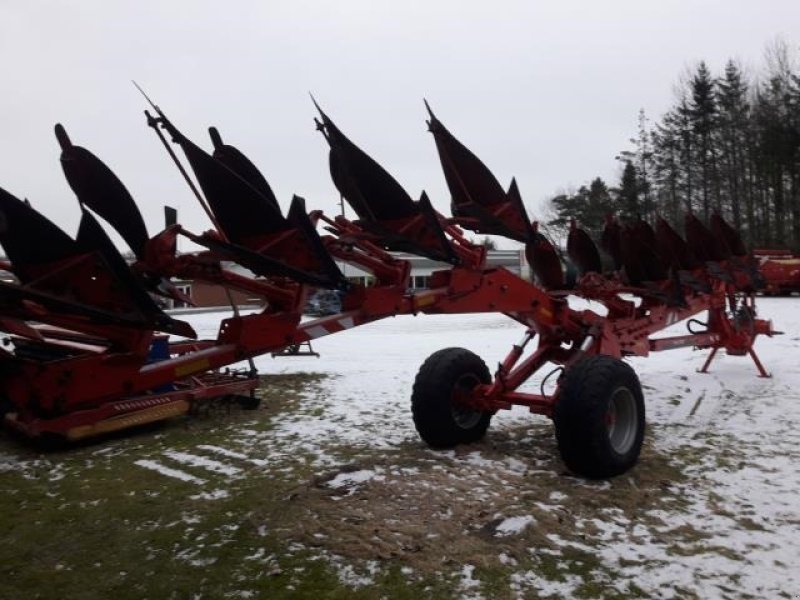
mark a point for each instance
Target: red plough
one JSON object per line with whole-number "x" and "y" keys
{"x": 86, "y": 354}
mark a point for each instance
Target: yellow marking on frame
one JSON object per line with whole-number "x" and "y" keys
{"x": 192, "y": 367}
{"x": 546, "y": 312}
{"x": 149, "y": 415}
{"x": 420, "y": 301}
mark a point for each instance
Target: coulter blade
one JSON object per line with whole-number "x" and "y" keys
{"x": 477, "y": 197}
{"x": 703, "y": 243}
{"x": 582, "y": 250}
{"x": 372, "y": 192}
{"x": 299, "y": 245}
{"x": 82, "y": 277}
{"x": 747, "y": 275}
{"x": 631, "y": 258}
{"x": 544, "y": 260}
{"x": 672, "y": 246}
{"x": 133, "y": 298}
{"x": 97, "y": 187}
{"x": 242, "y": 211}
{"x": 29, "y": 238}
{"x": 315, "y": 257}
{"x": 727, "y": 235}
{"x": 170, "y": 217}
{"x": 384, "y": 208}
{"x": 655, "y": 267}
{"x": 611, "y": 242}
{"x": 236, "y": 161}
{"x": 247, "y": 212}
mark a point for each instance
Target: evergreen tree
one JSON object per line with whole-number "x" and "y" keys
{"x": 628, "y": 201}
{"x": 642, "y": 159}
{"x": 703, "y": 112}
{"x": 733, "y": 126}
{"x": 588, "y": 206}
{"x": 599, "y": 204}
{"x": 567, "y": 206}
{"x": 730, "y": 144}
{"x": 781, "y": 140}
{"x": 683, "y": 113}
{"x": 667, "y": 146}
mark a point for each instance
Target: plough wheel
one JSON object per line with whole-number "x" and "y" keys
{"x": 440, "y": 414}
{"x": 599, "y": 417}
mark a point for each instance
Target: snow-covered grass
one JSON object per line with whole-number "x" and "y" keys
{"x": 326, "y": 491}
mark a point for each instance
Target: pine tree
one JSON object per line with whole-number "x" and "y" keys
{"x": 780, "y": 92}
{"x": 667, "y": 145}
{"x": 703, "y": 112}
{"x": 683, "y": 113}
{"x": 599, "y": 204}
{"x": 588, "y": 206}
{"x": 730, "y": 144}
{"x": 628, "y": 200}
{"x": 642, "y": 159}
{"x": 733, "y": 125}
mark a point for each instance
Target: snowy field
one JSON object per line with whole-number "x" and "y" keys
{"x": 712, "y": 510}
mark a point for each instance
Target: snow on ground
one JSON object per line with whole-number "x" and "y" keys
{"x": 730, "y": 527}
{"x": 169, "y": 472}
{"x": 742, "y": 432}
{"x": 512, "y": 525}
{"x": 374, "y": 368}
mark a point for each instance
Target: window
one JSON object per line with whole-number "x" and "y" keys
{"x": 185, "y": 289}
{"x": 420, "y": 282}
{"x": 365, "y": 281}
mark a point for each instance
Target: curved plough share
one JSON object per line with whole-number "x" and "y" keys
{"x": 88, "y": 354}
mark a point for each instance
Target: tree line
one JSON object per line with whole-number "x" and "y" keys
{"x": 729, "y": 144}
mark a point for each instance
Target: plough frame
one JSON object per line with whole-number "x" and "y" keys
{"x": 78, "y": 364}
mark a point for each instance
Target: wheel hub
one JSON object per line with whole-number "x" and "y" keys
{"x": 464, "y": 414}
{"x": 622, "y": 420}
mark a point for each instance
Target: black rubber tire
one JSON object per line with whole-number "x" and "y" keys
{"x": 587, "y": 440}
{"x": 437, "y": 417}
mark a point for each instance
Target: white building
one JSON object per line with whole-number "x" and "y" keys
{"x": 421, "y": 267}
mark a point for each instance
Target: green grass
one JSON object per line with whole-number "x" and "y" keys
{"x": 109, "y": 528}
{"x": 87, "y": 523}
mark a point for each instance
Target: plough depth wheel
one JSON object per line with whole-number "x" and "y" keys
{"x": 599, "y": 417}
{"x": 441, "y": 414}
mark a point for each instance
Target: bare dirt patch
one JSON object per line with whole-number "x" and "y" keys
{"x": 497, "y": 505}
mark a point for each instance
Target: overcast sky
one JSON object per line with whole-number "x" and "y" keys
{"x": 545, "y": 91}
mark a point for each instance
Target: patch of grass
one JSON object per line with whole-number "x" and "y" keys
{"x": 87, "y": 522}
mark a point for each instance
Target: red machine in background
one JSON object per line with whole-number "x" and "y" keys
{"x": 83, "y": 354}
{"x": 780, "y": 270}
